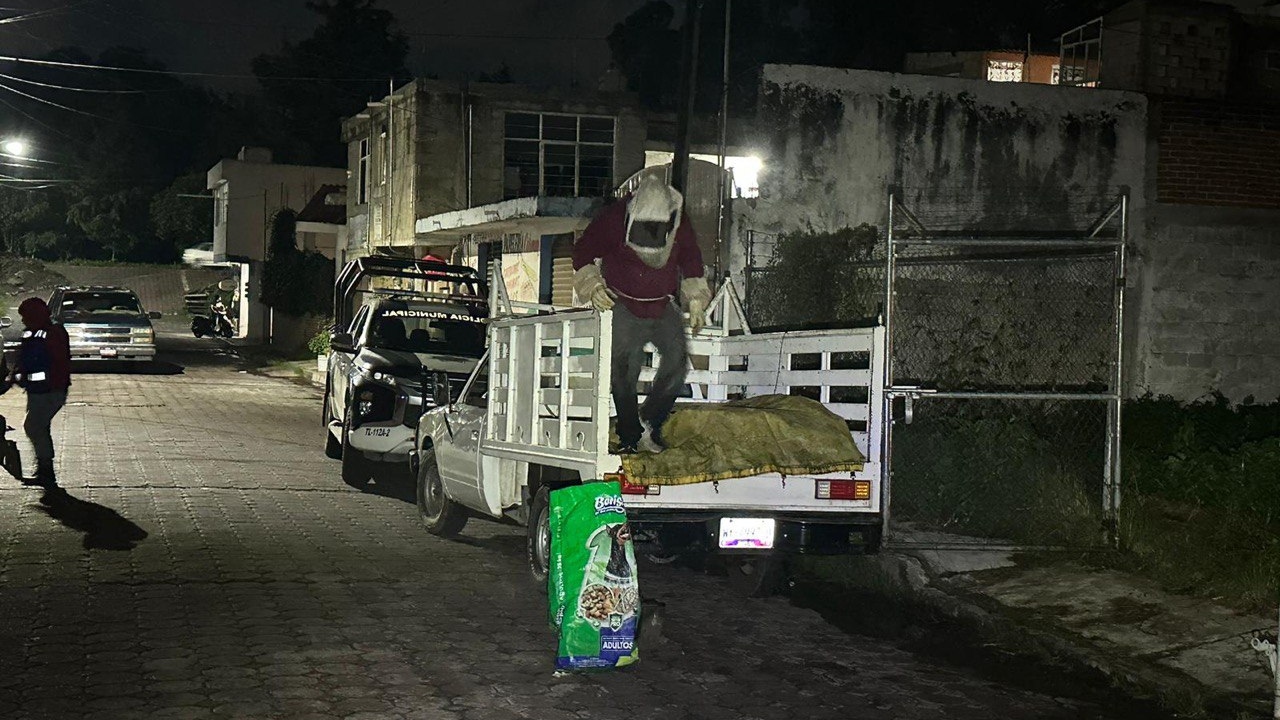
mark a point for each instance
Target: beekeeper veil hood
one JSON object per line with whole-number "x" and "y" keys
{"x": 653, "y": 215}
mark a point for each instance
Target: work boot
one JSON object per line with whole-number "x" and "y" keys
{"x": 44, "y": 473}
{"x": 652, "y": 441}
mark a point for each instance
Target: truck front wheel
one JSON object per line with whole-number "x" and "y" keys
{"x": 538, "y": 537}
{"x": 439, "y": 514}
{"x": 355, "y": 469}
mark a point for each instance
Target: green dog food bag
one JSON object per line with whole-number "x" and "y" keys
{"x": 593, "y": 587}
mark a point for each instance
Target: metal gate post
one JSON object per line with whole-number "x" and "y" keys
{"x": 1115, "y": 405}
{"x": 886, "y": 442}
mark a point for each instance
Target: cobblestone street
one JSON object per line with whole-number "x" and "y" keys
{"x": 214, "y": 565}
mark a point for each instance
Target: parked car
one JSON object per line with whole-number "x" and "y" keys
{"x": 198, "y": 255}
{"x": 105, "y": 323}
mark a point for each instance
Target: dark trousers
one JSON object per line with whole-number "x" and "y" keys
{"x": 630, "y": 334}
{"x": 41, "y": 408}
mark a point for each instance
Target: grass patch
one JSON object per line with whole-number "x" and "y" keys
{"x": 1021, "y": 472}
{"x": 1201, "y": 506}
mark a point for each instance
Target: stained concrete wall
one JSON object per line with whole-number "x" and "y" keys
{"x": 1203, "y": 306}
{"x": 967, "y": 153}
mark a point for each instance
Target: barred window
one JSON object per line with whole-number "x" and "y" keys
{"x": 562, "y": 155}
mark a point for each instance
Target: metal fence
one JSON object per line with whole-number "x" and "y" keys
{"x": 1004, "y": 376}
{"x": 1004, "y": 357}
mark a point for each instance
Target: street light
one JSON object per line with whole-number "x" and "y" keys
{"x": 15, "y": 147}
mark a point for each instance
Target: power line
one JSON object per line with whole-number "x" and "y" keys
{"x": 38, "y": 121}
{"x": 182, "y": 73}
{"x": 40, "y": 13}
{"x": 87, "y": 113}
{"x": 79, "y": 89}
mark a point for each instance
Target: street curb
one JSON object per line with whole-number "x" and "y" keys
{"x": 902, "y": 576}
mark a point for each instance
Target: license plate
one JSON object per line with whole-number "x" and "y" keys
{"x": 747, "y": 533}
{"x": 108, "y": 352}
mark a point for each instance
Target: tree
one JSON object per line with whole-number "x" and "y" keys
{"x": 501, "y": 75}
{"x": 294, "y": 282}
{"x": 646, "y": 50}
{"x": 111, "y": 154}
{"x": 180, "y": 222}
{"x": 350, "y": 59}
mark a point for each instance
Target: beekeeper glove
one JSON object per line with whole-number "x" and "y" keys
{"x": 697, "y": 296}
{"x": 588, "y": 283}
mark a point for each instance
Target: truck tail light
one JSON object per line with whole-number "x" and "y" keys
{"x": 842, "y": 489}
{"x": 629, "y": 488}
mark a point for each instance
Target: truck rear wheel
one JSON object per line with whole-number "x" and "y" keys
{"x": 538, "y": 537}
{"x": 755, "y": 576}
{"x": 439, "y": 514}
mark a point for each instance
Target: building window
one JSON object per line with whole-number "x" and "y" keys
{"x": 563, "y": 155}
{"x": 220, "y": 197}
{"x": 1004, "y": 71}
{"x": 384, "y": 149}
{"x": 362, "y": 192}
{"x": 1071, "y": 75}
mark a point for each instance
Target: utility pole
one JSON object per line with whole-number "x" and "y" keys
{"x": 688, "y": 90}
{"x": 722, "y": 254}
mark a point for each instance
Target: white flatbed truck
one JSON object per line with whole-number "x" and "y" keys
{"x": 534, "y": 417}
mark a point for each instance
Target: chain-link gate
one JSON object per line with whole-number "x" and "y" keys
{"x": 1004, "y": 378}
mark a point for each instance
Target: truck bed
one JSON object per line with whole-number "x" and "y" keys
{"x": 549, "y": 404}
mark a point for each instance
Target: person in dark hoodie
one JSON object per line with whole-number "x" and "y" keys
{"x": 44, "y": 371}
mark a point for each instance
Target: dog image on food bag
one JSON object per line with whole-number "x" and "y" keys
{"x": 619, "y": 567}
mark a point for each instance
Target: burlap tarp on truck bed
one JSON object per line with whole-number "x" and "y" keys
{"x": 741, "y": 438}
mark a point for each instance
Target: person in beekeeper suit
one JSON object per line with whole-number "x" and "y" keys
{"x": 639, "y": 257}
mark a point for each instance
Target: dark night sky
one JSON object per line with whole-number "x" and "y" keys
{"x": 223, "y": 35}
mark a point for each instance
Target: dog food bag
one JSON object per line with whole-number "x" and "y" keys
{"x": 593, "y": 589}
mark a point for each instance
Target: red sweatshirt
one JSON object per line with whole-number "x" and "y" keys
{"x": 625, "y": 273}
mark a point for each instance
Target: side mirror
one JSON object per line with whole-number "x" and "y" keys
{"x": 342, "y": 342}
{"x": 5, "y": 322}
{"x": 440, "y": 389}
{"x": 155, "y": 314}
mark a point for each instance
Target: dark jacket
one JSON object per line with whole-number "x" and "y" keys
{"x": 44, "y": 361}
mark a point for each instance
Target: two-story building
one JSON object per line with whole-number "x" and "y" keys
{"x": 247, "y": 191}
{"x": 488, "y": 174}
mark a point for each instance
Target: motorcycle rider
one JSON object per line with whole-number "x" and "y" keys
{"x": 221, "y": 323}
{"x": 44, "y": 371}
{"x": 647, "y": 254}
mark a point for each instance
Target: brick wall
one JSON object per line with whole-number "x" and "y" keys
{"x": 1215, "y": 154}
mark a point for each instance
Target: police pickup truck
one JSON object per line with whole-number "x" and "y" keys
{"x": 381, "y": 348}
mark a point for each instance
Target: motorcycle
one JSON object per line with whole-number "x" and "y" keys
{"x": 217, "y": 324}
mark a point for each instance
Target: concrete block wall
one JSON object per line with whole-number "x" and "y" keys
{"x": 1216, "y": 154}
{"x": 1210, "y": 306}
{"x": 1188, "y": 54}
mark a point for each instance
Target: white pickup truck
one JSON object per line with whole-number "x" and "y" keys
{"x": 534, "y": 416}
